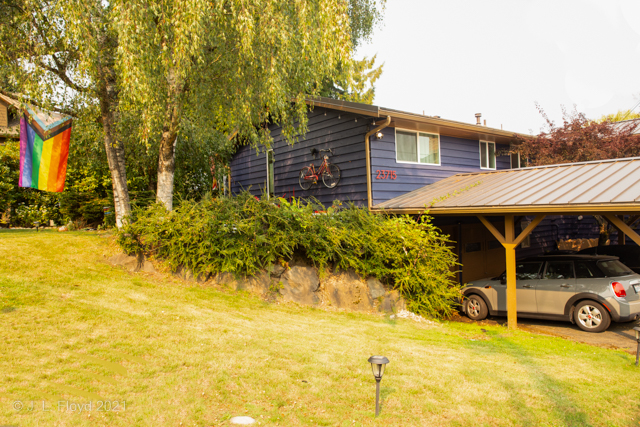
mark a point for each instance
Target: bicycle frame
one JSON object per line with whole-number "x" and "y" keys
{"x": 316, "y": 175}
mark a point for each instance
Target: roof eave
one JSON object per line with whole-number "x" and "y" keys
{"x": 584, "y": 209}
{"x": 375, "y": 111}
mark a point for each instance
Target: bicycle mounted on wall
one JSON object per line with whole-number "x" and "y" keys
{"x": 329, "y": 172}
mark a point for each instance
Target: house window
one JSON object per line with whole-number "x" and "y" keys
{"x": 515, "y": 160}
{"x": 487, "y": 155}
{"x": 270, "y": 174}
{"x": 417, "y": 147}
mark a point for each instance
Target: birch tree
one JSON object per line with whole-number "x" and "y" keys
{"x": 62, "y": 55}
{"x": 235, "y": 65}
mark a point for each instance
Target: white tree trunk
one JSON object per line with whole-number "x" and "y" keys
{"x": 166, "y": 170}
{"x": 115, "y": 155}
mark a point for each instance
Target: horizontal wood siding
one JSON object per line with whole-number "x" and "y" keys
{"x": 457, "y": 155}
{"x": 545, "y": 236}
{"x": 248, "y": 171}
{"x": 326, "y": 129}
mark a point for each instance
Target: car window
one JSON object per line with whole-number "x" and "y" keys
{"x": 559, "y": 270}
{"x": 613, "y": 268}
{"x": 587, "y": 270}
{"x": 527, "y": 270}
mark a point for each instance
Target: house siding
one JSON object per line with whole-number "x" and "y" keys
{"x": 342, "y": 132}
{"x": 457, "y": 155}
{"x": 554, "y": 228}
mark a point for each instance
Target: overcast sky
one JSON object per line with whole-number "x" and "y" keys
{"x": 455, "y": 58}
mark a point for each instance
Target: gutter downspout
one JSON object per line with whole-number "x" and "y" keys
{"x": 386, "y": 123}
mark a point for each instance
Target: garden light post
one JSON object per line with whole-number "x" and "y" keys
{"x": 377, "y": 365}
{"x": 637, "y": 329}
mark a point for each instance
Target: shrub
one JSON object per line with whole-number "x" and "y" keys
{"x": 243, "y": 235}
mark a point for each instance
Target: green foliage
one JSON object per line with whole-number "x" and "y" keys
{"x": 364, "y": 17}
{"x": 619, "y": 116}
{"x": 355, "y": 82}
{"x": 9, "y": 174}
{"x": 230, "y": 65}
{"x": 243, "y": 235}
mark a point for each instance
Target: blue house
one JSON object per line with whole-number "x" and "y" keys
{"x": 382, "y": 153}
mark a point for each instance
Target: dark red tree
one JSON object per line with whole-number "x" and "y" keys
{"x": 579, "y": 140}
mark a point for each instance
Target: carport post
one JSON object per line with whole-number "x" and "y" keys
{"x": 509, "y": 241}
{"x": 510, "y": 253}
{"x": 512, "y": 307}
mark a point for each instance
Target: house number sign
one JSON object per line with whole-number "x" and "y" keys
{"x": 385, "y": 174}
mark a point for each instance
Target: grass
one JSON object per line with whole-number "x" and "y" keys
{"x": 75, "y": 330}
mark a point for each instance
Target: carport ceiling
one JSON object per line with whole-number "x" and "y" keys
{"x": 588, "y": 188}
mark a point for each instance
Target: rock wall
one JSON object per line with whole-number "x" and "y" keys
{"x": 299, "y": 283}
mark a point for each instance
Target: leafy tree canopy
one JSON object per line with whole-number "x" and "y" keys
{"x": 578, "y": 139}
{"x": 151, "y": 70}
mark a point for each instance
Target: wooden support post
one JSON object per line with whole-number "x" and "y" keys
{"x": 510, "y": 242}
{"x": 510, "y": 253}
{"x": 620, "y": 225}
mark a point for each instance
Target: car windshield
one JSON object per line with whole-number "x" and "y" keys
{"x": 613, "y": 268}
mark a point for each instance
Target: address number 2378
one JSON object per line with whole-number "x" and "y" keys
{"x": 385, "y": 174}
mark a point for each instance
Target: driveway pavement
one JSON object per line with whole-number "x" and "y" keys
{"x": 619, "y": 335}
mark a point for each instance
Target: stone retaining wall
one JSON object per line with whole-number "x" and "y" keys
{"x": 298, "y": 283}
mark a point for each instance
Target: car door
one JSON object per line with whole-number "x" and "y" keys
{"x": 527, "y": 275}
{"x": 556, "y": 287}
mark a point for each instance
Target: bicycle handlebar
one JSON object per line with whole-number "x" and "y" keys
{"x": 328, "y": 149}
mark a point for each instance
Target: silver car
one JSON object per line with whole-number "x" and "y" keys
{"x": 587, "y": 290}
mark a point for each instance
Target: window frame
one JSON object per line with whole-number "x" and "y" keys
{"x": 515, "y": 156}
{"x": 417, "y": 133}
{"x": 271, "y": 185}
{"x": 495, "y": 158}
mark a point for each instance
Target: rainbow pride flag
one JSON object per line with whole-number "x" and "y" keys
{"x": 44, "y": 148}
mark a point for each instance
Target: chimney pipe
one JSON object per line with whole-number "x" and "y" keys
{"x": 485, "y": 122}
{"x": 478, "y": 115}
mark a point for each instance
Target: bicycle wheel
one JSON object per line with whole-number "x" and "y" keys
{"x": 331, "y": 177}
{"x": 305, "y": 178}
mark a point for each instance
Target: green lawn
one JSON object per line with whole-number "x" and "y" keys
{"x": 75, "y": 330}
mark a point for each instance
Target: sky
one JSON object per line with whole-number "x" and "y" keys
{"x": 455, "y": 58}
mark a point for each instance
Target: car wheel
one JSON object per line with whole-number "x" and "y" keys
{"x": 476, "y": 308}
{"x": 591, "y": 316}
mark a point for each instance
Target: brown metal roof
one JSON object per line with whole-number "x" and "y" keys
{"x": 589, "y": 187}
{"x": 633, "y": 124}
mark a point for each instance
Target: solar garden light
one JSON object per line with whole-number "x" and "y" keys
{"x": 637, "y": 329}
{"x": 377, "y": 365}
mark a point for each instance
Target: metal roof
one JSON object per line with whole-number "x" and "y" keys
{"x": 589, "y": 187}
{"x": 627, "y": 124}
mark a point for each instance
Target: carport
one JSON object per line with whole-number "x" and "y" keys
{"x": 610, "y": 188}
